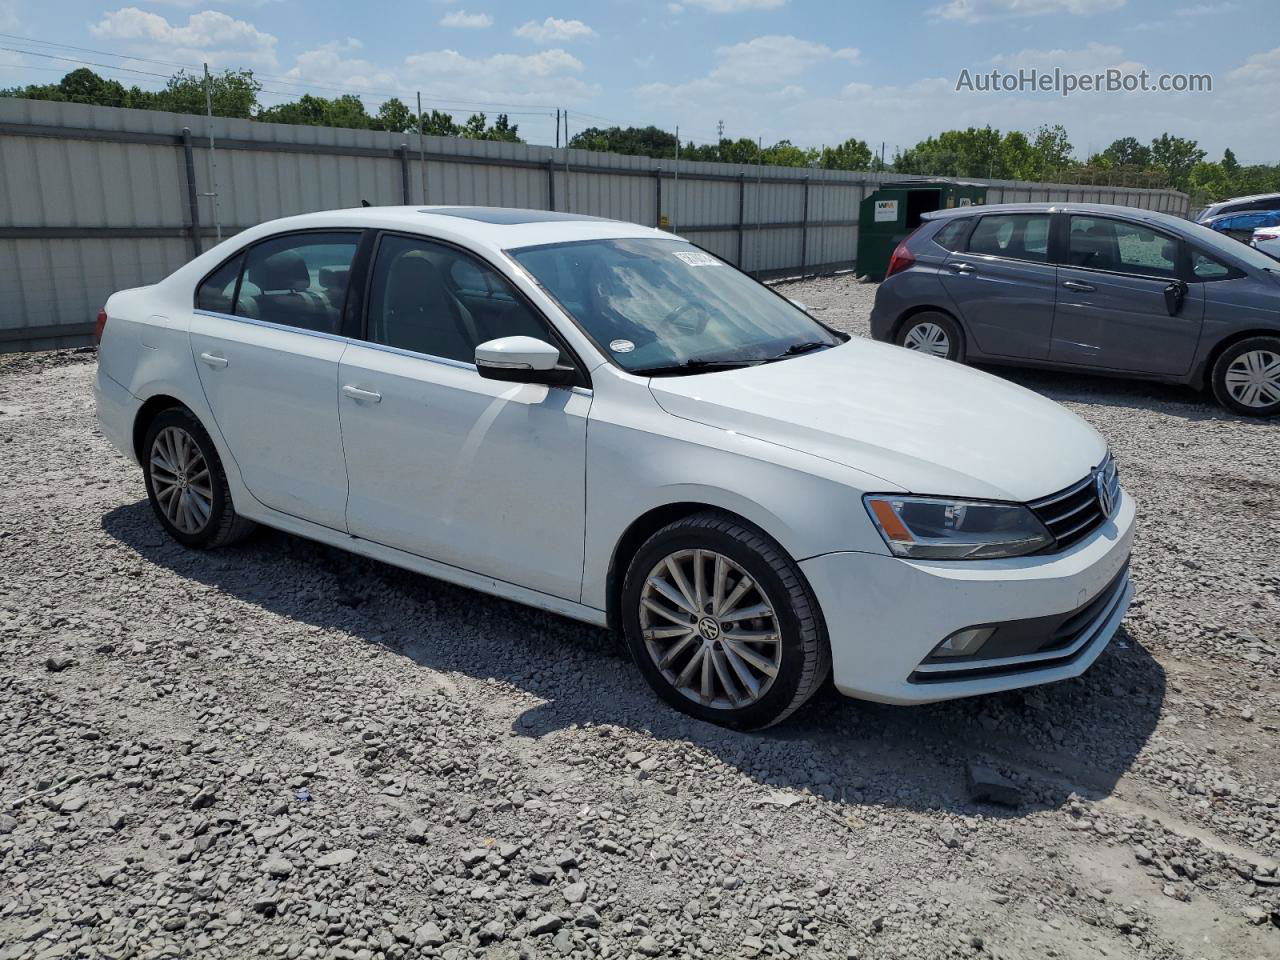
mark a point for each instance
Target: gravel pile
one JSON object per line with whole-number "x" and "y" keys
{"x": 281, "y": 750}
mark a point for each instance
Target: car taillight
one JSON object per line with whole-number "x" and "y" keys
{"x": 902, "y": 259}
{"x": 99, "y": 325}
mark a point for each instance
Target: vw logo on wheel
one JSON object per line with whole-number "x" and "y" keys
{"x": 709, "y": 628}
{"x": 1105, "y": 498}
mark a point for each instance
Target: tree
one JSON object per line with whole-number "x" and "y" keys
{"x": 1053, "y": 149}
{"x": 234, "y": 93}
{"x": 394, "y": 116}
{"x": 1176, "y": 156}
{"x": 1125, "y": 152}
{"x": 853, "y": 154}
{"x": 636, "y": 141}
{"x": 1229, "y": 162}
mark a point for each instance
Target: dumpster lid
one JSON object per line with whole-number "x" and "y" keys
{"x": 932, "y": 182}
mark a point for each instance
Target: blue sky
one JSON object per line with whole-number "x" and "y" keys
{"x": 812, "y": 71}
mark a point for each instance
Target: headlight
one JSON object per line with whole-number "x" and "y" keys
{"x": 936, "y": 528}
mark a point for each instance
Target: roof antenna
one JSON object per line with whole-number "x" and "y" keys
{"x": 365, "y": 203}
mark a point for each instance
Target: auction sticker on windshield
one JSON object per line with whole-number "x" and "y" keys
{"x": 696, "y": 259}
{"x": 621, "y": 346}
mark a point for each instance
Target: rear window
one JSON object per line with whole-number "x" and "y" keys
{"x": 1019, "y": 236}
{"x": 952, "y": 235}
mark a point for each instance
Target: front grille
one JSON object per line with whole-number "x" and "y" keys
{"x": 1072, "y": 514}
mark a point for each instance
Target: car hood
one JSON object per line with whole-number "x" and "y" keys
{"x": 919, "y": 423}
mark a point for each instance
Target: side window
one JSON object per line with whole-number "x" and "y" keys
{"x": 435, "y": 300}
{"x": 219, "y": 288}
{"x": 953, "y": 233}
{"x": 1021, "y": 236}
{"x": 298, "y": 280}
{"x": 1205, "y": 267}
{"x": 1100, "y": 243}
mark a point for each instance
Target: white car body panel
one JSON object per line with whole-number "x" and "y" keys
{"x": 525, "y": 491}
{"x": 1267, "y": 239}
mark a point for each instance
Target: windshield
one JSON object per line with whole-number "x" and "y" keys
{"x": 664, "y": 306}
{"x": 1217, "y": 242}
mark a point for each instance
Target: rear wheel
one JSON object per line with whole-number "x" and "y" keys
{"x": 1246, "y": 377}
{"x": 933, "y": 333}
{"x": 186, "y": 484}
{"x": 722, "y": 624}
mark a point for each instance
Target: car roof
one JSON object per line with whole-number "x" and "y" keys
{"x": 1252, "y": 196}
{"x": 492, "y": 228}
{"x": 1060, "y": 206}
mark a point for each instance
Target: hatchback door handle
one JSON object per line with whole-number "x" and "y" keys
{"x": 961, "y": 267}
{"x": 1077, "y": 285}
{"x": 355, "y": 393}
{"x": 213, "y": 360}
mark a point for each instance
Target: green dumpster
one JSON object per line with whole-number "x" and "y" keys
{"x": 888, "y": 215}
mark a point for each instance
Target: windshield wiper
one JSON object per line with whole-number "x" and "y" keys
{"x": 806, "y": 346}
{"x": 694, "y": 364}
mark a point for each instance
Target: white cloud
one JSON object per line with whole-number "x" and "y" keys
{"x": 554, "y": 30}
{"x": 460, "y": 19}
{"x": 733, "y": 6}
{"x": 210, "y": 36}
{"x": 1206, "y": 9}
{"x": 979, "y": 11}
{"x": 768, "y": 60}
{"x": 1094, "y": 58}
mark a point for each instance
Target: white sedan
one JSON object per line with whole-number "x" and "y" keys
{"x": 1267, "y": 239}
{"x": 602, "y": 420}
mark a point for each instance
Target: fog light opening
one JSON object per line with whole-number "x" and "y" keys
{"x": 964, "y": 643}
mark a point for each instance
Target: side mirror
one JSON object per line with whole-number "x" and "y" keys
{"x": 1175, "y": 295}
{"x": 522, "y": 360}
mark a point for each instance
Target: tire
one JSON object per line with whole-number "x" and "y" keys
{"x": 1246, "y": 374}
{"x": 922, "y": 332}
{"x": 800, "y": 656}
{"x": 174, "y": 468}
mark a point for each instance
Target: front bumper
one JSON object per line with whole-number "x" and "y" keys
{"x": 885, "y": 615}
{"x": 117, "y": 408}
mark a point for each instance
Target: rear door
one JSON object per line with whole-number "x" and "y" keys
{"x": 1112, "y": 308}
{"x": 1003, "y": 284}
{"x": 266, "y": 335}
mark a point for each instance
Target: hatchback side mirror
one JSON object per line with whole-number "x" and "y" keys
{"x": 522, "y": 360}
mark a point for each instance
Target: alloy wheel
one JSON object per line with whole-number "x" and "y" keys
{"x": 710, "y": 629}
{"x": 928, "y": 338}
{"x": 1253, "y": 379}
{"x": 181, "y": 481}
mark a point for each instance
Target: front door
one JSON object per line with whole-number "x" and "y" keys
{"x": 1004, "y": 285}
{"x": 264, "y": 339}
{"x": 443, "y": 463}
{"x": 1112, "y": 308}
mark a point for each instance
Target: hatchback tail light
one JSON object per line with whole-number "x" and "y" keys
{"x": 902, "y": 259}
{"x": 99, "y": 325}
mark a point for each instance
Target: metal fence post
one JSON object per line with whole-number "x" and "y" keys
{"x": 193, "y": 198}
{"x": 551, "y": 183}
{"x": 404, "y": 174}
{"x": 742, "y": 207}
{"x": 804, "y": 231}
{"x": 657, "y": 202}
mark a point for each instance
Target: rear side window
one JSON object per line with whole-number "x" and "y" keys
{"x": 298, "y": 280}
{"x": 219, "y": 288}
{"x": 952, "y": 235}
{"x": 1019, "y": 236}
{"x": 1099, "y": 243}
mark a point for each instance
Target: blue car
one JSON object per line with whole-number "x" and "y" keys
{"x": 1240, "y": 226}
{"x": 1089, "y": 287}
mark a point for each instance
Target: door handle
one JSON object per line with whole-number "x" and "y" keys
{"x": 961, "y": 267}
{"x": 355, "y": 393}
{"x": 214, "y": 360}
{"x": 1077, "y": 285}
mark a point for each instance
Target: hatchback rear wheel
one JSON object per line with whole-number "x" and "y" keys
{"x": 722, "y": 623}
{"x": 932, "y": 333}
{"x": 1246, "y": 377}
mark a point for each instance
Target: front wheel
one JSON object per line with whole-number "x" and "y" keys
{"x": 722, "y": 623}
{"x": 1246, "y": 377}
{"x": 932, "y": 333}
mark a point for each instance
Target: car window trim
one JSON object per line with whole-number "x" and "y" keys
{"x": 270, "y": 325}
{"x": 1048, "y": 252}
{"x": 557, "y": 338}
{"x": 1181, "y": 261}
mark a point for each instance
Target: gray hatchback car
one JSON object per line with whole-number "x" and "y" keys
{"x": 1089, "y": 287}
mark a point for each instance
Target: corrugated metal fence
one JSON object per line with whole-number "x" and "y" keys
{"x": 95, "y": 199}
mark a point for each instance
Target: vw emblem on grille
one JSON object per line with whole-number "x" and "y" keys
{"x": 1106, "y": 499}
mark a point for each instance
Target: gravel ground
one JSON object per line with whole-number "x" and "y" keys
{"x": 282, "y": 750}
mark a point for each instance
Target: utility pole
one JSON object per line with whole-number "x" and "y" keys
{"x": 675, "y": 185}
{"x": 568, "y": 181}
{"x": 213, "y": 165}
{"x": 557, "y": 128}
{"x": 882, "y": 156}
{"x": 422, "y": 149}
{"x": 719, "y": 138}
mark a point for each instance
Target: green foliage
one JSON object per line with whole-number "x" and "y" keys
{"x": 853, "y": 154}
{"x": 1176, "y": 156}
